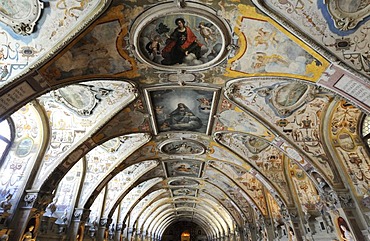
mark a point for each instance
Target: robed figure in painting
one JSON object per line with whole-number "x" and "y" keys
{"x": 181, "y": 43}
{"x": 181, "y": 119}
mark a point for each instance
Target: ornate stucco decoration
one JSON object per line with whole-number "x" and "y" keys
{"x": 347, "y": 14}
{"x": 22, "y": 15}
{"x": 155, "y": 37}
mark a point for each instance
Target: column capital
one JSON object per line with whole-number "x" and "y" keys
{"x": 81, "y": 214}
{"x": 36, "y": 199}
{"x": 103, "y": 222}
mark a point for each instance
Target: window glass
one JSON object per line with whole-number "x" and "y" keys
{"x": 366, "y": 129}
{"x": 5, "y": 135}
{"x": 5, "y": 129}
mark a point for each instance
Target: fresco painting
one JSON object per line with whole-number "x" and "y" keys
{"x": 184, "y": 182}
{"x": 102, "y": 59}
{"x": 15, "y": 9}
{"x": 271, "y": 51}
{"x": 184, "y": 192}
{"x": 182, "y": 109}
{"x": 183, "y": 168}
{"x": 180, "y": 39}
{"x": 183, "y": 147}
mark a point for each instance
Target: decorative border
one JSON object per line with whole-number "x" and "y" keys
{"x": 190, "y": 8}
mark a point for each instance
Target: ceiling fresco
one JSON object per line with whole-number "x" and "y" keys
{"x": 341, "y": 28}
{"x": 243, "y": 117}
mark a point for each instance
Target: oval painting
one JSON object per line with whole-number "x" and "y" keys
{"x": 181, "y": 40}
{"x": 184, "y": 182}
{"x": 185, "y": 147}
{"x": 290, "y": 94}
{"x": 77, "y": 96}
{"x": 24, "y": 147}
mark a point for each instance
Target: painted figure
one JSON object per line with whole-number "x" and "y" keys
{"x": 206, "y": 32}
{"x": 182, "y": 119}
{"x": 180, "y": 44}
{"x": 153, "y": 46}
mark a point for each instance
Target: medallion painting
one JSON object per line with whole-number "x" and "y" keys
{"x": 183, "y": 147}
{"x": 182, "y": 109}
{"x": 21, "y": 15}
{"x": 168, "y": 36}
{"x": 184, "y": 182}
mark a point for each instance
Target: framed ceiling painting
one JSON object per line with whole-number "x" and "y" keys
{"x": 187, "y": 168}
{"x": 189, "y": 38}
{"x": 181, "y": 108}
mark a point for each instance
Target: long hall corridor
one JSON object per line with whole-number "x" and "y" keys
{"x": 179, "y": 120}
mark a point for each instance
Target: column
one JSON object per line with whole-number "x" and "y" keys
{"x": 102, "y": 228}
{"x": 118, "y": 235}
{"x": 77, "y": 226}
{"x": 27, "y": 217}
{"x": 269, "y": 228}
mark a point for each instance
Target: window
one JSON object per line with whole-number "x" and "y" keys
{"x": 5, "y": 139}
{"x": 366, "y": 130}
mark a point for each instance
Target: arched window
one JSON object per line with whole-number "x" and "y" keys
{"x": 6, "y": 139}
{"x": 366, "y": 130}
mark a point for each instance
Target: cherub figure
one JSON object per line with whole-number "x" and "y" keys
{"x": 264, "y": 38}
{"x": 206, "y": 32}
{"x": 153, "y": 46}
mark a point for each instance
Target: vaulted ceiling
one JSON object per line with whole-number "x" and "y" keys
{"x": 262, "y": 122}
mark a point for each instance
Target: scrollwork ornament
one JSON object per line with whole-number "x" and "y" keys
{"x": 230, "y": 90}
{"x": 331, "y": 200}
{"x": 29, "y": 199}
{"x": 293, "y": 214}
{"x": 103, "y": 222}
{"x": 346, "y": 200}
{"x": 23, "y": 29}
{"x": 77, "y": 214}
{"x": 119, "y": 227}
{"x": 366, "y": 201}
{"x": 285, "y": 214}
